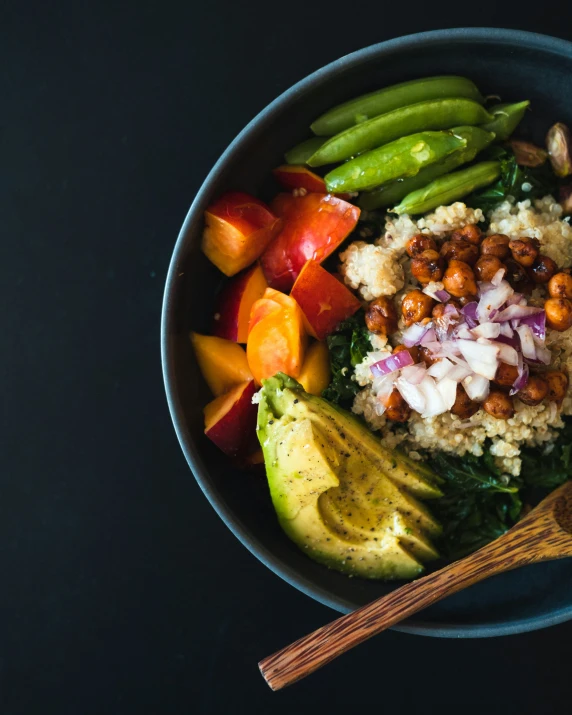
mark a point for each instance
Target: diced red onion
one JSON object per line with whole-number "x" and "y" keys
{"x": 492, "y": 300}
{"x": 440, "y": 369}
{"x": 477, "y": 387}
{"x": 459, "y": 371}
{"x": 434, "y": 403}
{"x": 486, "y": 330}
{"x": 543, "y": 354}
{"x": 482, "y": 359}
{"x": 505, "y": 330}
{"x": 527, "y": 345}
{"x": 521, "y": 380}
{"x": 516, "y": 299}
{"x": 436, "y": 290}
{"x": 464, "y": 333}
{"x": 394, "y": 362}
{"x": 537, "y": 323}
{"x": 383, "y": 387}
{"x": 507, "y": 353}
{"x": 429, "y": 337}
{"x": 414, "y": 334}
{"x": 447, "y": 388}
{"x": 498, "y": 276}
{"x": 516, "y": 312}
{"x": 412, "y": 394}
{"x": 470, "y": 313}
{"x": 450, "y": 310}
{"x": 414, "y": 373}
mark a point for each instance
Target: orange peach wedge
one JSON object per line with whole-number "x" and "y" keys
{"x": 223, "y": 364}
{"x": 230, "y": 420}
{"x": 235, "y": 303}
{"x": 238, "y": 229}
{"x": 315, "y": 374}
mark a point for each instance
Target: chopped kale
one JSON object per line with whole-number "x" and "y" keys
{"x": 537, "y": 182}
{"x": 348, "y": 346}
{"x": 546, "y": 471}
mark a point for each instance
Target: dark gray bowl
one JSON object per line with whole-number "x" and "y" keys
{"x": 516, "y": 65}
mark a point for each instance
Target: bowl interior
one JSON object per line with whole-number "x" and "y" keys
{"x": 513, "y": 65}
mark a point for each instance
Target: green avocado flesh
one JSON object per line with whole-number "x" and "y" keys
{"x": 342, "y": 497}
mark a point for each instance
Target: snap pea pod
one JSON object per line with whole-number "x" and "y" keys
{"x": 398, "y": 159}
{"x": 449, "y": 188}
{"x": 300, "y": 153}
{"x": 389, "y": 194}
{"x": 506, "y": 118}
{"x": 386, "y": 100}
{"x": 423, "y": 116}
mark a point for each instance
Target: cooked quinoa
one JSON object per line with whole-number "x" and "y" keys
{"x": 383, "y": 268}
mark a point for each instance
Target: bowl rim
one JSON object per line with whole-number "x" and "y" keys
{"x": 257, "y": 548}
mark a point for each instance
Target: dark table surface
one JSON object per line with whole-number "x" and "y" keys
{"x": 121, "y": 591}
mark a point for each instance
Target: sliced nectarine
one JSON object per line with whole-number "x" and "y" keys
{"x": 230, "y": 420}
{"x": 223, "y": 364}
{"x": 238, "y": 229}
{"x": 324, "y": 300}
{"x": 235, "y": 303}
{"x": 315, "y": 374}
{"x": 314, "y": 226}
{"x": 277, "y": 338}
{"x": 293, "y": 176}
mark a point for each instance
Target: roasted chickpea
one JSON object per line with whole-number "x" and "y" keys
{"x": 543, "y": 269}
{"x": 558, "y": 313}
{"x": 419, "y": 243}
{"x": 459, "y": 280}
{"x": 534, "y": 391}
{"x": 505, "y": 375}
{"x": 560, "y": 286}
{"x": 517, "y": 276}
{"x": 460, "y": 251}
{"x": 427, "y": 266}
{"x": 498, "y": 404}
{"x": 414, "y": 351}
{"x": 416, "y": 306}
{"x": 557, "y": 385}
{"x": 381, "y": 316}
{"x": 524, "y": 251}
{"x": 425, "y": 355}
{"x": 487, "y": 266}
{"x": 396, "y": 409}
{"x": 471, "y": 233}
{"x": 496, "y": 245}
{"x": 464, "y": 407}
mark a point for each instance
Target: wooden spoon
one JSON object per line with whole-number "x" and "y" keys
{"x": 545, "y": 534}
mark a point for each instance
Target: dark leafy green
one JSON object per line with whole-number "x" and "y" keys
{"x": 548, "y": 471}
{"x": 541, "y": 179}
{"x": 476, "y": 507}
{"x": 348, "y": 346}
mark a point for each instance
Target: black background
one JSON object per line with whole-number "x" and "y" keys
{"x": 120, "y": 590}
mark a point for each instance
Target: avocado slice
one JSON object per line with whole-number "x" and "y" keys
{"x": 342, "y": 497}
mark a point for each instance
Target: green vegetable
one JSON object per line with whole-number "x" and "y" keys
{"x": 303, "y": 151}
{"x": 390, "y": 194}
{"x": 548, "y": 471}
{"x": 423, "y": 116}
{"x": 386, "y": 100}
{"x": 537, "y": 182}
{"x": 398, "y": 159}
{"x": 477, "y": 507}
{"x": 348, "y": 346}
{"x": 506, "y": 118}
{"x": 449, "y": 188}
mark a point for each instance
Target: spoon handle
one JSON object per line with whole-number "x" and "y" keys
{"x": 314, "y": 650}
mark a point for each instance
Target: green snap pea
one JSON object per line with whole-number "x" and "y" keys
{"x": 390, "y": 194}
{"x": 398, "y": 159}
{"x": 449, "y": 188}
{"x": 386, "y": 100}
{"x": 423, "y": 116}
{"x": 506, "y": 118}
{"x": 300, "y": 153}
